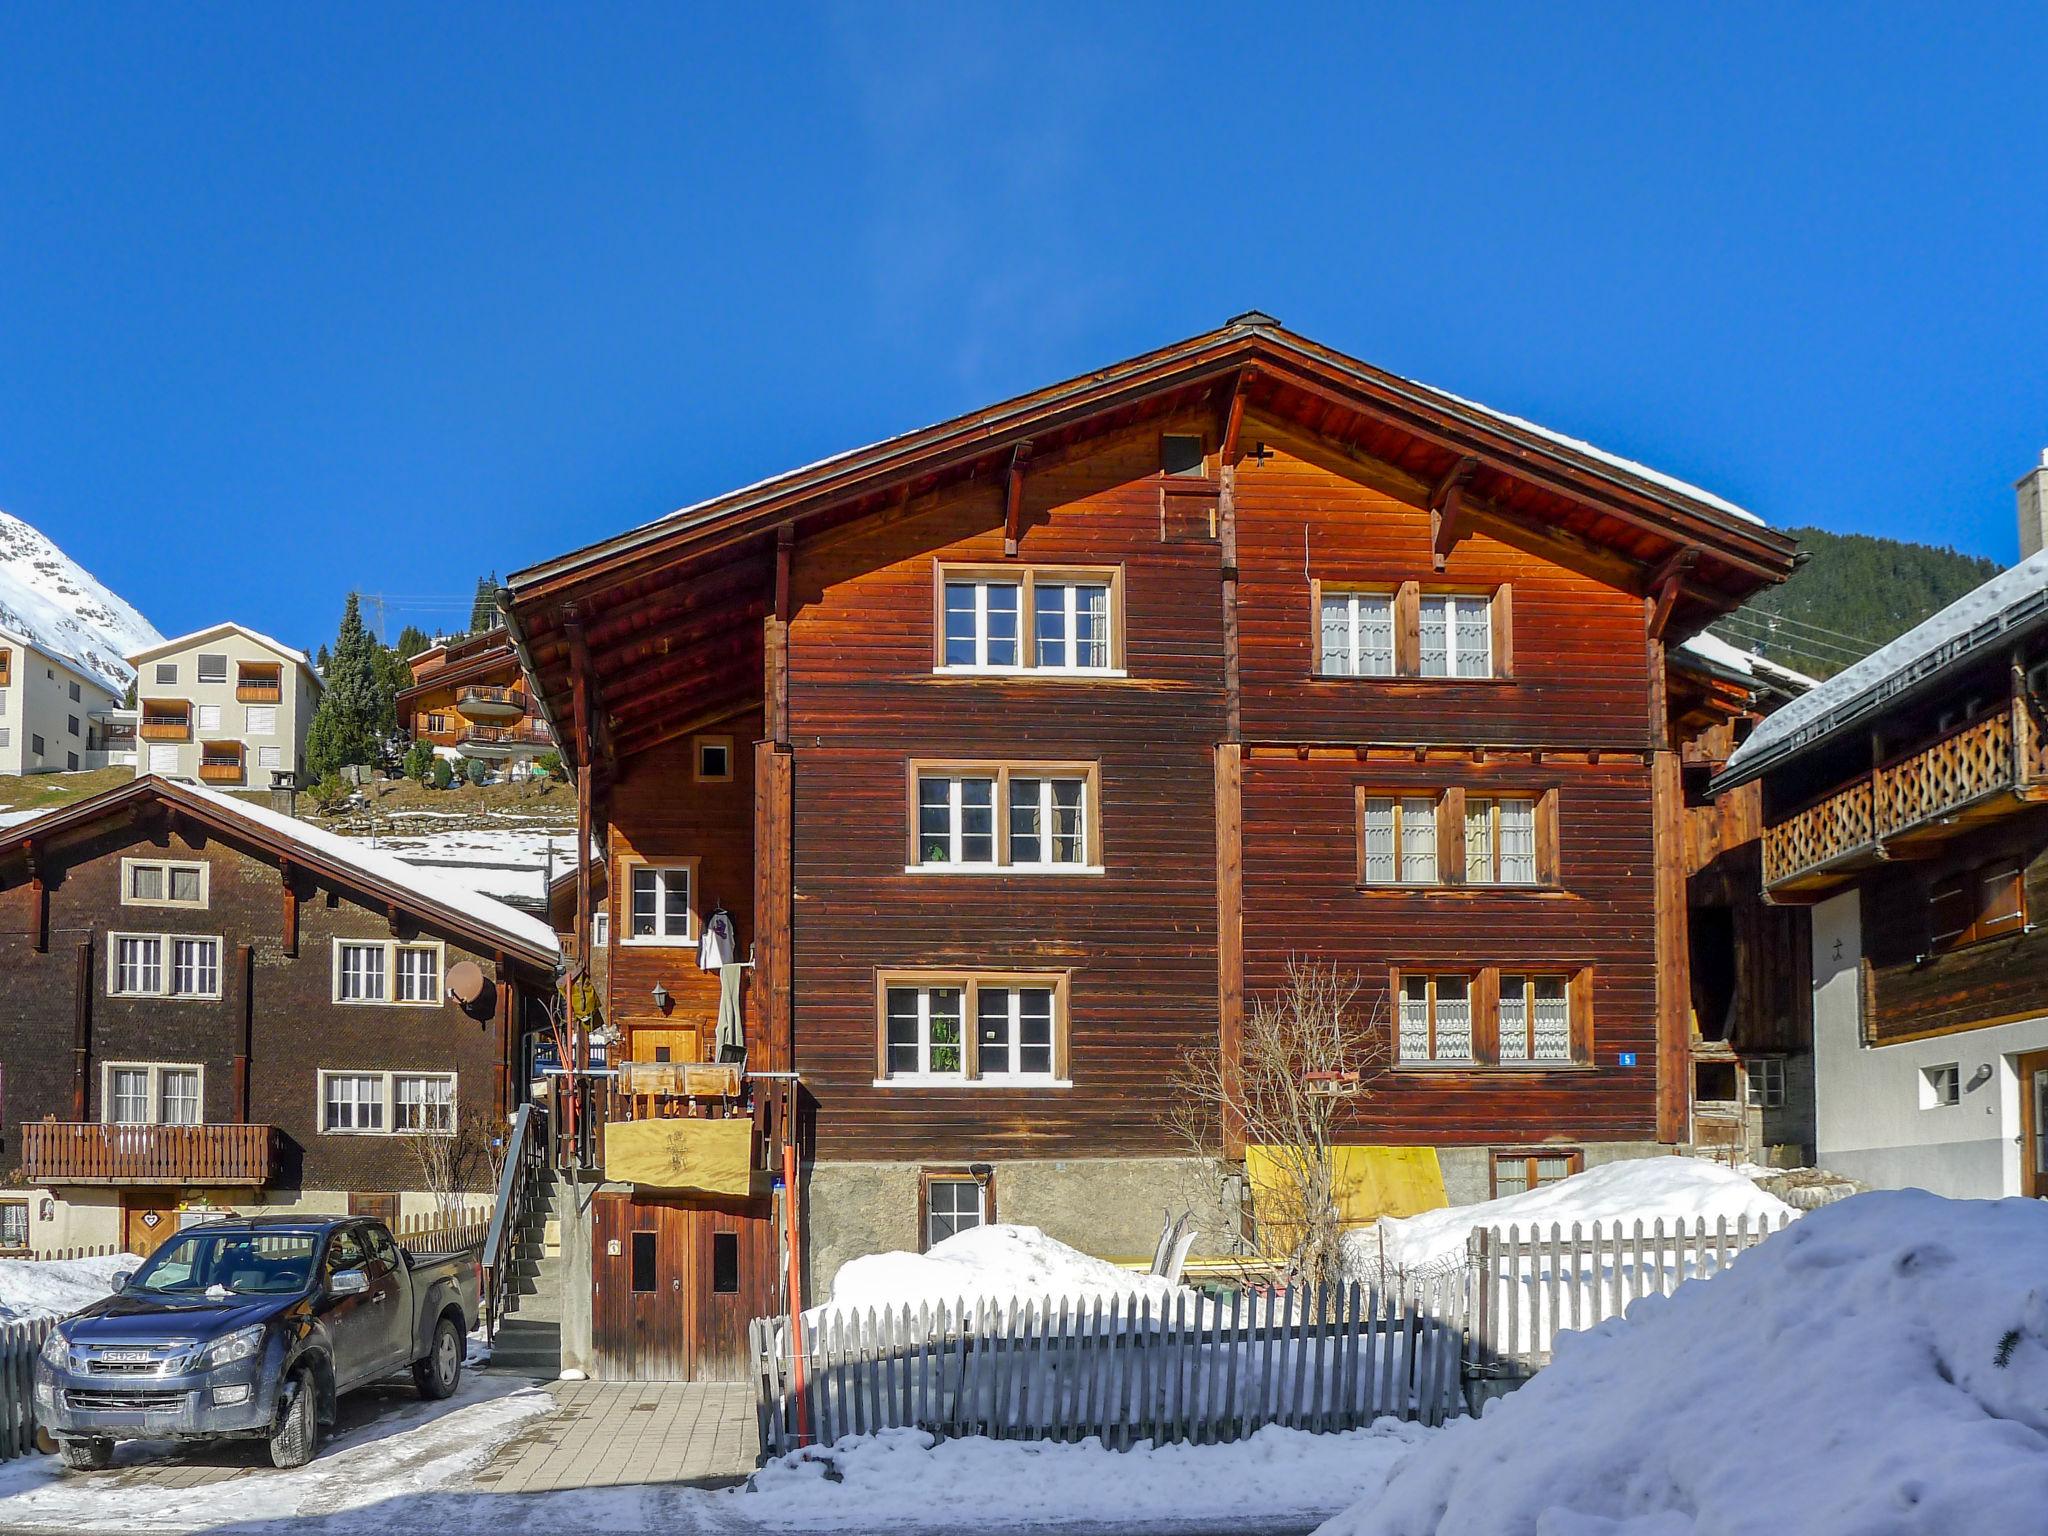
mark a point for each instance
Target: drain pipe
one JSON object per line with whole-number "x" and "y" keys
{"x": 793, "y": 1283}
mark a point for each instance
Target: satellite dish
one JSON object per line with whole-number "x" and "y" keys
{"x": 465, "y": 981}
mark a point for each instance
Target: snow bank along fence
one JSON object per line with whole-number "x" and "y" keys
{"x": 1192, "y": 1369}
{"x": 19, "y": 1344}
{"x": 1524, "y": 1287}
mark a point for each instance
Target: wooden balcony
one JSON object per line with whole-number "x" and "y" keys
{"x": 72, "y": 1152}
{"x": 1984, "y": 770}
{"x": 259, "y": 690}
{"x": 214, "y": 770}
{"x": 507, "y": 737}
{"x": 165, "y": 728}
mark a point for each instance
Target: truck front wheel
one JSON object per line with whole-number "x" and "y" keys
{"x": 292, "y": 1444}
{"x": 440, "y": 1372}
{"x": 90, "y": 1455}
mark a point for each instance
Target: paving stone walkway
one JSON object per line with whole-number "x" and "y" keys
{"x": 607, "y": 1433}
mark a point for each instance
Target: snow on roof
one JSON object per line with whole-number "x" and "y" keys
{"x": 1890, "y": 669}
{"x": 291, "y": 653}
{"x": 1879, "y": 1365}
{"x": 1674, "y": 1188}
{"x": 1713, "y": 649}
{"x": 1602, "y": 456}
{"x": 392, "y": 870}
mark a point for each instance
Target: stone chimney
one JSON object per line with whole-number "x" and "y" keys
{"x": 2033, "y": 494}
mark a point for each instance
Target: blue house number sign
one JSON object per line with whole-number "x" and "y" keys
{"x": 1628, "y": 1058}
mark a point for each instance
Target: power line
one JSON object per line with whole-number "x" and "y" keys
{"x": 1804, "y": 645}
{"x": 1808, "y": 624}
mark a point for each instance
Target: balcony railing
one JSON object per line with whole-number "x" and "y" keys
{"x": 165, "y": 728}
{"x": 1913, "y": 794}
{"x": 487, "y": 701}
{"x": 259, "y": 690}
{"x": 527, "y": 735}
{"x": 219, "y": 770}
{"x": 73, "y": 1152}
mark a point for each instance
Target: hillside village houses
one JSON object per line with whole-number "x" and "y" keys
{"x": 468, "y": 698}
{"x": 223, "y": 705}
{"x": 53, "y": 710}
{"x": 1905, "y": 805}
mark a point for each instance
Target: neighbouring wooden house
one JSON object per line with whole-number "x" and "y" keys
{"x": 1904, "y": 805}
{"x": 210, "y": 1005}
{"x": 469, "y": 697}
{"x": 1022, "y": 750}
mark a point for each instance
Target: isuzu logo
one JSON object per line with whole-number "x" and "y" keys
{"x": 126, "y": 1356}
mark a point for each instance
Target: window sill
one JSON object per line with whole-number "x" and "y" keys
{"x": 946, "y": 1080}
{"x": 1033, "y": 870}
{"x": 1406, "y": 677}
{"x": 1491, "y": 1068}
{"x": 165, "y": 997}
{"x": 1083, "y": 674}
{"x": 676, "y": 943}
{"x": 1520, "y": 892}
{"x": 385, "y": 1002}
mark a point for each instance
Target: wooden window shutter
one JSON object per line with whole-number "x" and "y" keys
{"x": 1949, "y": 912}
{"x": 1504, "y": 631}
{"x": 1315, "y": 627}
{"x": 1408, "y": 630}
{"x": 1547, "y": 864}
{"x": 1450, "y": 837}
{"x": 1486, "y": 1016}
{"x": 1579, "y": 998}
{"x": 2002, "y": 906}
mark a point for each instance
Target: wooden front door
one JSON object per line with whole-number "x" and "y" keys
{"x": 673, "y": 1287}
{"x": 148, "y": 1216}
{"x": 2033, "y": 1069}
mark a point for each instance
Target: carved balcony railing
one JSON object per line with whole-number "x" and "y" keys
{"x": 2001, "y": 753}
{"x": 86, "y": 1152}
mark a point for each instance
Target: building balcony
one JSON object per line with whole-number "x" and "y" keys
{"x": 1982, "y": 771}
{"x": 479, "y": 701}
{"x": 213, "y": 770}
{"x": 81, "y": 1152}
{"x": 259, "y": 690}
{"x": 154, "y": 727}
{"x": 505, "y": 740}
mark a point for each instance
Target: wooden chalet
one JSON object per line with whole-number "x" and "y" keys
{"x": 1904, "y": 813}
{"x": 469, "y": 696}
{"x": 1024, "y": 749}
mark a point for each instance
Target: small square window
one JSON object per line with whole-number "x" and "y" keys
{"x": 714, "y": 759}
{"x": 1180, "y": 454}
{"x": 1941, "y": 1086}
{"x": 75, "y": 697}
{"x": 213, "y": 668}
{"x": 1766, "y": 1076}
{"x": 166, "y": 672}
{"x": 952, "y": 1206}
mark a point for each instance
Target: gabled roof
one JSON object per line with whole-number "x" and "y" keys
{"x": 214, "y": 632}
{"x": 1990, "y": 617}
{"x": 1710, "y": 652}
{"x": 426, "y": 897}
{"x": 1414, "y": 437}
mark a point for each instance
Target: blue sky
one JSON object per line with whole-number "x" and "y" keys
{"x": 294, "y": 300}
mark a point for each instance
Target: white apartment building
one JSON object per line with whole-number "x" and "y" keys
{"x": 51, "y": 710}
{"x": 224, "y": 705}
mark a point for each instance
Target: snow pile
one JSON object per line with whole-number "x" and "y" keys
{"x": 900, "y": 1477}
{"x": 1670, "y": 1189}
{"x": 997, "y": 1263}
{"x": 1711, "y": 648}
{"x": 1879, "y": 1366}
{"x": 52, "y": 601}
{"x": 57, "y": 1287}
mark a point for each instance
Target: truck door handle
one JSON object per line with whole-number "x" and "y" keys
{"x": 377, "y": 1299}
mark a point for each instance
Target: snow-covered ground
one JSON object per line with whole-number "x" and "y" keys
{"x": 1670, "y": 1189}
{"x": 508, "y": 861}
{"x": 1879, "y": 1367}
{"x": 56, "y": 1287}
{"x": 994, "y": 1263}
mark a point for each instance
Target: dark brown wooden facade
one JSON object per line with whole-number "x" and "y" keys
{"x": 1229, "y": 771}
{"x": 277, "y": 906}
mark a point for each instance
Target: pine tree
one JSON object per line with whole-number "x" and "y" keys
{"x": 321, "y": 660}
{"x": 483, "y": 611}
{"x": 411, "y": 641}
{"x": 346, "y": 726}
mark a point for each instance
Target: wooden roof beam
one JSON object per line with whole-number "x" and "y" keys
{"x": 1233, "y": 420}
{"x": 1446, "y": 509}
{"x": 1013, "y": 498}
{"x": 1666, "y": 583}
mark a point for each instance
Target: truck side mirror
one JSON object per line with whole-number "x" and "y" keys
{"x": 121, "y": 1279}
{"x": 348, "y": 1282}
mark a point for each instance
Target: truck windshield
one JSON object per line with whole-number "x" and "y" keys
{"x": 245, "y": 1263}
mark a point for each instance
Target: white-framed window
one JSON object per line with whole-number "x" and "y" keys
{"x": 1053, "y": 619}
{"x": 1436, "y": 1019}
{"x": 1035, "y": 817}
{"x": 260, "y": 720}
{"x": 166, "y": 673}
{"x": 270, "y": 757}
{"x": 3, "y": 701}
{"x": 152, "y": 1093}
{"x": 163, "y": 759}
{"x": 1941, "y": 1086}
{"x": 372, "y": 1103}
{"x": 953, "y": 1203}
{"x": 1357, "y": 634}
{"x": 1765, "y": 1076}
{"x": 206, "y": 717}
{"x": 176, "y": 966}
{"x": 13, "y": 1225}
{"x": 659, "y": 903}
{"x": 1457, "y": 635}
{"x": 600, "y": 929}
{"x": 1535, "y": 1018}
{"x": 972, "y": 1028}
{"x": 1500, "y": 840}
{"x": 6, "y": 736}
{"x": 213, "y": 667}
{"x": 1400, "y": 840}
{"x": 388, "y": 971}
{"x": 163, "y": 883}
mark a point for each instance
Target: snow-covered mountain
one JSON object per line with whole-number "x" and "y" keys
{"x": 50, "y": 599}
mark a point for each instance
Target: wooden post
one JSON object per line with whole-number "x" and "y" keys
{"x": 586, "y": 772}
{"x": 289, "y": 919}
{"x": 775, "y": 639}
{"x": 39, "y": 893}
{"x": 502, "y": 1014}
{"x": 1230, "y": 940}
{"x": 773, "y": 775}
{"x": 1673, "y": 948}
{"x": 81, "y": 1030}
{"x": 245, "y": 1028}
{"x": 2022, "y": 725}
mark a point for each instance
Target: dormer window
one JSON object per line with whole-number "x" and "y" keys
{"x": 1180, "y": 455}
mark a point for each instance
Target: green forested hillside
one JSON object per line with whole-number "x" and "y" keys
{"x": 1855, "y": 593}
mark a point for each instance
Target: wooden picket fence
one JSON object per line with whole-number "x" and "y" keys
{"x": 1524, "y": 1287}
{"x": 19, "y": 1344}
{"x": 1201, "y": 1370}
{"x": 456, "y": 1232}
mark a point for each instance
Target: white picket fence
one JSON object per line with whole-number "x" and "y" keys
{"x": 19, "y": 1345}
{"x": 1201, "y": 1370}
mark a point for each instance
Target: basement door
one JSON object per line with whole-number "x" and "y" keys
{"x": 673, "y": 1286}
{"x": 148, "y": 1216}
{"x": 2033, "y": 1070}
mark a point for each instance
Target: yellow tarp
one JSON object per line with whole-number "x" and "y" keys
{"x": 1368, "y": 1182}
{"x": 711, "y": 1157}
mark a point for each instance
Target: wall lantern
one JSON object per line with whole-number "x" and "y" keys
{"x": 661, "y": 997}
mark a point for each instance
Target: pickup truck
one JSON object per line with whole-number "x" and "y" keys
{"x": 252, "y": 1328}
